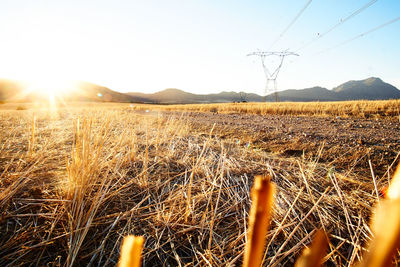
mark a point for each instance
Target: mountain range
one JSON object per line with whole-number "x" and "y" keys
{"x": 368, "y": 89}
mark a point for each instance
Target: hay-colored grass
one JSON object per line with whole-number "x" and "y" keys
{"x": 119, "y": 172}
{"x": 357, "y": 108}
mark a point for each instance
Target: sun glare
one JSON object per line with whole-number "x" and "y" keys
{"x": 51, "y": 87}
{"x": 50, "y": 92}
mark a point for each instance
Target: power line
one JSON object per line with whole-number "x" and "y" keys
{"x": 355, "y": 13}
{"x": 361, "y": 35}
{"x": 291, "y": 23}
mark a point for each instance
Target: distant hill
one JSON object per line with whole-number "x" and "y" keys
{"x": 14, "y": 91}
{"x": 93, "y": 92}
{"x": 305, "y": 95}
{"x": 176, "y": 96}
{"x": 371, "y": 89}
{"x": 9, "y": 89}
{"x": 368, "y": 89}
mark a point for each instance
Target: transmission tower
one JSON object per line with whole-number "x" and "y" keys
{"x": 272, "y": 76}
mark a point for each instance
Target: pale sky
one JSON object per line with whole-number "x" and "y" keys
{"x": 196, "y": 46}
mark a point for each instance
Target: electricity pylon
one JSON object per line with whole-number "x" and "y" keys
{"x": 272, "y": 76}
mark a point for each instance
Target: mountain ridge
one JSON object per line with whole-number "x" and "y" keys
{"x": 368, "y": 89}
{"x": 372, "y": 88}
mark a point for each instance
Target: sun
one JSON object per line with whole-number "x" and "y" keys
{"x": 49, "y": 92}
{"x": 51, "y": 86}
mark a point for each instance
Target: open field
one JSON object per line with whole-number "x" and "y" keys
{"x": 358, "y": 109}
{"x": 74, "y": 181}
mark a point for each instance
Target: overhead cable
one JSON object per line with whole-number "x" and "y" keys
{"x": 291, "y": 23}
{"x": 362, "y": 34}
{"x": 355, "y": 13}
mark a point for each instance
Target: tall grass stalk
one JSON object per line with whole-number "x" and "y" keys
{"x": 262, "y": 199}
{"x": 32, "y": 139}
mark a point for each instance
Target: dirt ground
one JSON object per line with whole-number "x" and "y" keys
{"x": 344, "y": 143}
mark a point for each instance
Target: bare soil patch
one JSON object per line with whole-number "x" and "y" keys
{"x": 344, "y": 143}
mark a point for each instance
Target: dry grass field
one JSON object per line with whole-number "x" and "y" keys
{"x": 359, "y": 109}
{"x": 76, "y": 180}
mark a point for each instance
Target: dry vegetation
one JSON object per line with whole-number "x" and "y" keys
{"x": 75, "y": 182}
{"x": 344, "y": 108}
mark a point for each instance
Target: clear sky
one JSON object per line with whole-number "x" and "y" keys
{"x": 197, "y": 46}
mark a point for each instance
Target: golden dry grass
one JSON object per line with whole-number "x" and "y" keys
{"x": 380, "y": 108}
{"x": 96, "y": 174}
